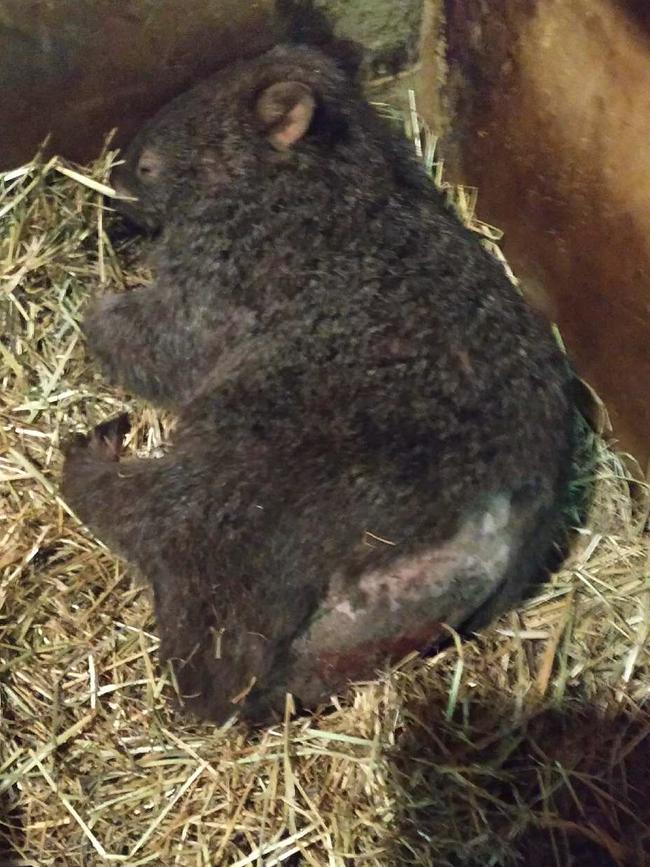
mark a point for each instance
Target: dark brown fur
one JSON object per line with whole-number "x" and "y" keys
{"x": 374, "y": 428}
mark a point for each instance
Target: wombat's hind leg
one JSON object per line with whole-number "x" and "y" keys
{"x": 111, "y": 496}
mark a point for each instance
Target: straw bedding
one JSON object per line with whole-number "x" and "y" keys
{"x": 527, "y": 746}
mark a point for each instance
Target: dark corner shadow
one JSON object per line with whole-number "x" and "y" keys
{"x": 637, "y": 12}
{"x": 12, "y": 834}
{"x": 567, "y": 787}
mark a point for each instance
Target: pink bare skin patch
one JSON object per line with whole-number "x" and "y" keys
{"x": 404, "y": 607}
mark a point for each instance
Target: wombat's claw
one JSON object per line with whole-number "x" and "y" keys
{"x": 115, "y": 428}
{"x": 104, "y": 441}
{"x": 108, "y": 436}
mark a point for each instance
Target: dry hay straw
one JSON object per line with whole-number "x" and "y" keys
{"x": 528, "y": 744}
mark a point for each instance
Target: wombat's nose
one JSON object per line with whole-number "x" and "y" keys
{"x": 120, "y": 188}
{"x": 119, "y": 181}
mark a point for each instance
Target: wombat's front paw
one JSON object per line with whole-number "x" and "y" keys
{"x": 103, "y": 442}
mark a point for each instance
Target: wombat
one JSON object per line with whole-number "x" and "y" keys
{"x": 374, "y": 429}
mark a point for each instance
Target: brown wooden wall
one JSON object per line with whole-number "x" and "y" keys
{"x": 77, "y": 68}
{"x": 550, "y": 106}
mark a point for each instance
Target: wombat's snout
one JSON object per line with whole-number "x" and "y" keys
{"x": 129, "y": 205}
{"x": 120, "y": 188}
{"x": 125, "y": 195}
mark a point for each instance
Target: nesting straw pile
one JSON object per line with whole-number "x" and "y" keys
{"x": 529, "y": 746}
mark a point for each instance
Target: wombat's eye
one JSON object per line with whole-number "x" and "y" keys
{"x": 149, "y": 166}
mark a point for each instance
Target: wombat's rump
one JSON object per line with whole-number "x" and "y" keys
{"x": 375, "y": 430}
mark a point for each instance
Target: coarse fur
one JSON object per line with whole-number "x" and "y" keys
{"x": 374, "y": 428}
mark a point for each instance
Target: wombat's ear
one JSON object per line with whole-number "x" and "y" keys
{"x": 286, "y": 109}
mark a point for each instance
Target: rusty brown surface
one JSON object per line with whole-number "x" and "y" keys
{"x": 551, "y": 110}
{"x": 78, "y": 68}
